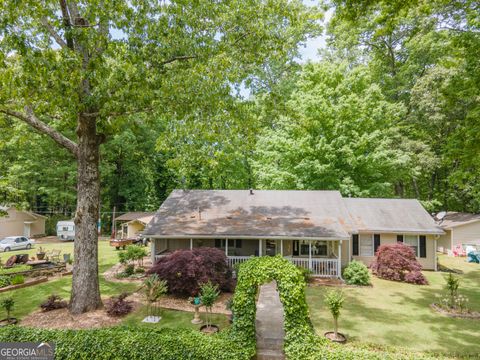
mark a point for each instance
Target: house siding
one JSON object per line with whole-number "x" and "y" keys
{"x": 467, "y": 234}
{"x": 13, "y": 224}
{"x": 444, "y": 242}
{"x": 427, "y": 263}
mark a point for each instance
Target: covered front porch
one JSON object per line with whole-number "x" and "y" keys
{"x": 322, "y": 257}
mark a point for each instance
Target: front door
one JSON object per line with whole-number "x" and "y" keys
{"x": 296, "y": 248}
{"x": 26, "y": 230}
{"x": 271, "y": 247}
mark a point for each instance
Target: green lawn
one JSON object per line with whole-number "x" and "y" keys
{"x": 29, "y": 299}
{"x": 398, "y": 314}
{"x": 174, "y": 319}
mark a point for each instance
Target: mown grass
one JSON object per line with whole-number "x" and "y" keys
{"x": 174, "y": 319}
{"x": 399, "y": 314}
{"x": 29, "y": 299}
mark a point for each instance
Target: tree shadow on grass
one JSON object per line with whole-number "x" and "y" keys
{"x": 454, "y": 336}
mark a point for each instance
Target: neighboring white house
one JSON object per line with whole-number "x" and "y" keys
{"x": 318, "y": 230}
{"x": 15, "y": 222}
{"x": 132, "y": 224}
{"x": 460, "y": 229}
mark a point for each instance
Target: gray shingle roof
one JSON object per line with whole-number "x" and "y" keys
{"x": 284, "y": 214}
{"x": 391, "y": 215}
{"x": 266, "y": 213}
{"x": 453, "y": 219}
{"x": 129, "y": 216}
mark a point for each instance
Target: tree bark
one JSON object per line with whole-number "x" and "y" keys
{"x": 85, "y": 294}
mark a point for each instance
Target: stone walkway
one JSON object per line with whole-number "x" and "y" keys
{"x": 269, "y": 324}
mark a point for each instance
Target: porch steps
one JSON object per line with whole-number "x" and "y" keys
{"x": 269, "y": 324}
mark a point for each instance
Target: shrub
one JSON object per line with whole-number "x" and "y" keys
{"x": 124, "y": 343}
{"x": 356, "y": 273}
{"x": 397, "y": 262}
{"x": 334, "y": 300}
{"x": 127, "y": 272}
{"x": 155, "y": 288}
{"x": 208, "y": 295}
{"x": 5, "y": 281}
{"x": 7, "y": 304}
{"x": 307, "y": 274}
{"x": 17, "y": 279}
{"x": 139, "y": 270}
{"x": 185, "y": 270}
{"x": 131, "y": 254}
{"x": 118, "y": 305}
{"x": 53, "y": 302}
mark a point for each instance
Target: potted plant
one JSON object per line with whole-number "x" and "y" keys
{"x": 155, "y": 288}
{"x": 196, "y": 302}
{"x": 7, "y": 304}
{"x": 208, "y": 295}
{"x": 40, "y": 253}
{"x": 334, "y": 300}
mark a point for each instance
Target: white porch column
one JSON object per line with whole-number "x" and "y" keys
{"x": 339, "y": 262}
{"x": 259, "y": 247}
{"x": 435, "y": 267}
{"x": 310, "y": 254}
{"x": 153, "y": 249}
{"x": 281, "y": 247}
{"x": 191, "y": 244}
{"x": 226, "y": 247}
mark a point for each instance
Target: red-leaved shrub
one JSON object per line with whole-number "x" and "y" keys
{"x": 186, "y": 270}
{"x": 397, "y": 262}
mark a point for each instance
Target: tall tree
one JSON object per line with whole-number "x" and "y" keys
{"x": 79, "y": 68}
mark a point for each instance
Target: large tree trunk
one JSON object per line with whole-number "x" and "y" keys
{"x": 85, "y": 294}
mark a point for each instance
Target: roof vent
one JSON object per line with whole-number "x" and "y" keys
{"x": 251, "y": 191}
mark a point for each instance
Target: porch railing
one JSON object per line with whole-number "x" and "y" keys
{"x": 319, "y": 267}
{"x": 234, "y": 260}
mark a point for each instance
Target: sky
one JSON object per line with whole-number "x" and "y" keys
{"x": 310, "y": 51}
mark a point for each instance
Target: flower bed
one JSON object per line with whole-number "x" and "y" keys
{"x": 455, "y": 313}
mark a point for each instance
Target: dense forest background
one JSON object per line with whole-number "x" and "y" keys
{"x": 391, "y": 108}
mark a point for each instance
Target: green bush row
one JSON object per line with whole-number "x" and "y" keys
{"x": 133, "y": 343}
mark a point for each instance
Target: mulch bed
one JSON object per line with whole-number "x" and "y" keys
{"x": 62, "y": 319}
{"x": 465, "y": 315}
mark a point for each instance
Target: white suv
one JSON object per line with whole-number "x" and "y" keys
{"x": 15, "y": 243}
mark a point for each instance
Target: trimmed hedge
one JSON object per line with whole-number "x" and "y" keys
{"x": 134, "y": 343}
{"x": 299, "y": 334}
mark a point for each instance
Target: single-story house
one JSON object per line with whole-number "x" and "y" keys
{"x": 318, "y": 230}
{"x": 132, "y": 224}
{"x": 460, "y": 229}
{"x": 15, "y": 222}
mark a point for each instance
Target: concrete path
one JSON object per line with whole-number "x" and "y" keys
{"x": 269, "y": 324}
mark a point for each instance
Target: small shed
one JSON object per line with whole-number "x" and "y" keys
{"x": 14, "y": 222}
{"x": 132, "y": 224}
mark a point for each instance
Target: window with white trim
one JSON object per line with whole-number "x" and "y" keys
{"x": 366, "y": 244}
{"x": 412, "y": 241}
